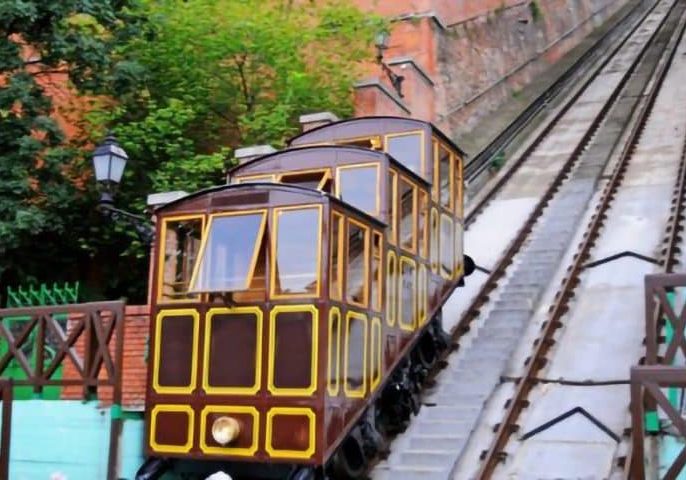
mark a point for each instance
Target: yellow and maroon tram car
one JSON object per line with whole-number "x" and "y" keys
{"x": 285, "y": 301}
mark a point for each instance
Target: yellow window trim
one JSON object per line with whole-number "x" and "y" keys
{"x": 302, "y": 392}
{"x": 179, "y": 390}
{"x": 325, "y": 170}
{"x": 458, "y": 253}
{"x": 272, "y": 262}
{"x": 375, "y": 140}
{"x": 435, "y": 187}
{"x": 357, "y": 166}
{"x": 379, "y": 274}
{"x": 393, "y": 214}
{"x": 365, "y": 290}
{"x": 206, "y": 352}
{"x": 256, "y": 248}
{"x": 292, "y": 411}
{"x": 391, "y": 286}
{"x": 337, "y": 217}
{"x": 459, "y": 177}
{"x": 359, "y": 393}
{"x": 162, "y": 249}
{"x": 424, "y": 248}
{"x": 238, "y": 452}
{"x": 269, "y": 177}
{"x": 437, "y": 173}
{"x": 375, "y": 354}
{"x": 334, "y": 384}
{"x": 162, "y": 448}
{"x": 415, "y": 216}
{"x": 422, "y": 161}
{"x": 435, "y": 243}
{"x": 404, "y": 326}
{"x": 422, "y": 307}
{"x": 447, "y": 276}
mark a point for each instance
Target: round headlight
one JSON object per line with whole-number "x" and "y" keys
{"x": 225, "y": 430}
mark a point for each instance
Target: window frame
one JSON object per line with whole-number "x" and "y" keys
{"x": 423, "y": 170}
{"x": 377, "y": 195}
{"x": 325, "y": 170}
{"x": 393, "y": 212}
{"x": 256, "y": 251}
{"x": 413, "y": 292}
{"x": 415, "y": 216}
{"x": 376, "y": 304}
{"x": 437, "y": 176}
{"x": 274, "y": 234}
{"x": 195, "y": 297}
{"x": 450, "y": 275}
{"x": 367, "y": 258}
{"x": 391, "y": 288}
{"x": 339, "y": 217}
{"x": 270, "y": 178}
{"x": 334, "y": 379}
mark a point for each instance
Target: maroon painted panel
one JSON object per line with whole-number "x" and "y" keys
{"x": 233, "y": 344}
{"x": 293, "y": 355}
{"x": 176, "y": 350}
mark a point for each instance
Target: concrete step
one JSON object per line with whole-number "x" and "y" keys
{"x": 426, "y": 458}
{"x": 401, "y": 472}
{"x": 444, "y": 427}
{"x": 437, "y": 443}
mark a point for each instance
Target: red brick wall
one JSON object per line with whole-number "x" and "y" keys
{"x": 136, "y": 324}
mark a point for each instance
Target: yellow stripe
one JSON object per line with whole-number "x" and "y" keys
{"x": 359, "y": 393}
{"x": 240, "y": 452}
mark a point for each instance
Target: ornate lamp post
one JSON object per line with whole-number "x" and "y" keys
{"x": 109, "y": 162}
{"x": 396, "y": 80}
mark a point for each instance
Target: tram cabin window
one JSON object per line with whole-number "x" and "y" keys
{"x": 407, "y": 148}
{"x": 357, "y": 285}
{"x": 227, "y": 261}
{"x": 358, "y": 185}
{"x": 407, "y": 193}
{"x": 180, "y": 251}
{"x": 295, "y": 261}
{"x": 445, "y": 177}
{"x": 313, "y": 179}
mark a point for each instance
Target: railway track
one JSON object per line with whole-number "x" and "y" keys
{"x": 561, "y": 306}
{"x": 437, "y": 437}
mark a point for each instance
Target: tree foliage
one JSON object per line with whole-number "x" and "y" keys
{"x": 180, "y": 90}
{"x": 48, "y": 49}
{"x": 224, "y": 73}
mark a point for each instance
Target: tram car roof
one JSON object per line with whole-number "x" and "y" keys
{"x": 209, "y": 199}
{"x": 368, "y": 126}
{"x": 343, "y": 154}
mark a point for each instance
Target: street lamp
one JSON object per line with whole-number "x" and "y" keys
{"x": 109, "y": 162}
{"x": 381, "y": 41}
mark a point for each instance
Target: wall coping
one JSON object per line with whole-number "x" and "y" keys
{"x": 410, "y": 61}
{"x": 376, "y": 83}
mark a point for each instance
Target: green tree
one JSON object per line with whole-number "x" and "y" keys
{"x": 225, "y": 73}
{"x": 49, "y": 46}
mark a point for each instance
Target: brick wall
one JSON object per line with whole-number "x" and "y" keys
{"x": 136, "y": 324}
{"x": 476, "y": 54}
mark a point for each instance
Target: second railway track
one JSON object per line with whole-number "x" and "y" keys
{"x": 583, "y": 136}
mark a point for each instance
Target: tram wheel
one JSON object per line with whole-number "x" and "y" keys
{"x": 469, "y": 265}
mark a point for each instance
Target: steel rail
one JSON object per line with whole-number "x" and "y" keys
{"x": 668, "y": 260}
{"x": 521, "y": 160}
{"x": 544, "y": 343}
{"x": 485, "y": 157}
{"x": 482, "y": 297}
